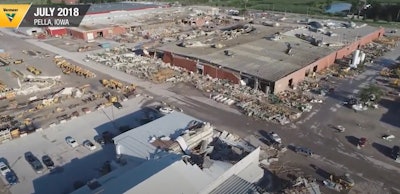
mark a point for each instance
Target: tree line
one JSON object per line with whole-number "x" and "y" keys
{"x": 380, "y": 11}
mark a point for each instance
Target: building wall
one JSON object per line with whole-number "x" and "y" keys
{"x": 188, "y": 64}
{"x": 57, "y": 32}
{"x": 221, "y": 73}
{"x": 107, "y": 32}
{"x": 191, "y": 65}
{"x": 77, "y": 34}
{"x": 325, "y": 62}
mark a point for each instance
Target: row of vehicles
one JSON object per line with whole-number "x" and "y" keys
{"x": 46, "y": 162}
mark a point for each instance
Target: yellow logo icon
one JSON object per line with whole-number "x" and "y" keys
{"x": 11, "y": 15}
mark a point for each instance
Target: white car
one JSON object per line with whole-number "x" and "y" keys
{"x": 166, "y": 110}
{"x": 275, "y": 137}
{"x": 4, "y": 168}
{"x": 89, "y": 145}
{"x": 71, "y": 141}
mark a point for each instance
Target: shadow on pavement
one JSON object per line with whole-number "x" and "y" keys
{"x": 353, "y": 140}
{"x": 322, "y": 173}
{"x": 385, "y": 150}
{"x": 127, "y": 122}
{"x": 391, "y": 116}
{"x": 78, "y": 171}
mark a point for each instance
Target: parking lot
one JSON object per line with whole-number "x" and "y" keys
{"x": 74, "y": 164}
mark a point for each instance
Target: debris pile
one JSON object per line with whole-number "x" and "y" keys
{"x": 252, "y": 102}
{"x": 32, "y": 84}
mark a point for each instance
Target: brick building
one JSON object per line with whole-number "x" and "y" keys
{"x": 264, "y": 64}
{"x": 89, "y": 33}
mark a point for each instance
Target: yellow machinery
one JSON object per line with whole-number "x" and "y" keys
{"x": 3, "y": 87}
{"x": 112, "y": 99}
{"x": 116, "y": 84}
{"x": 28, "y": 121}
{"x": 10, "y": 95}
{"x": 113, "y": 84}
{"x": 33, "y": 70}
{"x": 345, "y": 181}
{"x": 385, "y": 72}
{"x": 130, "y": 89}
{"x": 19, "y": 61}
{"x": 69, "y": 68}
{"x": 105, "y": 82}
{"x": 66, "y": 71}
{"x": 395, "y": 82}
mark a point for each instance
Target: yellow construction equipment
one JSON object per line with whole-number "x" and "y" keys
{"x": 395, "y": 82}
{"x": 33, "y": 70}
{"x": 112, "y": 99}
{"x": 69, "y": 68}
{"x": 19, "y": 61}
{"x": 345, "y": 180}
{"x": 3, "y": 87}
{"x": 10, "y": 95}
{"x": 84, "y": 48}
{"x": 113, "y": 84}
{"x": 385, "y": 72}
{"x": 130, "y": 89}
{"x": 66, "y": 71}
{"x": 116, "y": 84}
{"x": 28, "y": 121}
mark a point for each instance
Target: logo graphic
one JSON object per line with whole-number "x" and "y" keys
{"x": 10, "y": 16}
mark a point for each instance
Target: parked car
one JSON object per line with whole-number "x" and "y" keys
{"x": 4, "y": 169}
{"x": 362, "y": 142}
{"x": 34, "y": 162}
{"x": 396, "y": 153}
{"x": 71, "y": 141}
{"x": 117, "y": 105}
{"x": 89, "y": 145}
{"x": 275, "y": 138}
{"x": 166, "y": 110}
{"x": 48, "y": 162}
{"x": 305, "y": 151}
{"x": 11, "y": 178}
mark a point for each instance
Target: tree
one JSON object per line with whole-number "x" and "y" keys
{"x": 371, "y": 93}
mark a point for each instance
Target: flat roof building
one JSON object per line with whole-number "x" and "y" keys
{"x": 271, "y": 59}
{"x": 153, "y": 167}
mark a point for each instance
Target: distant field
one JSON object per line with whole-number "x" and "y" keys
{"x": 297, "y": 6}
